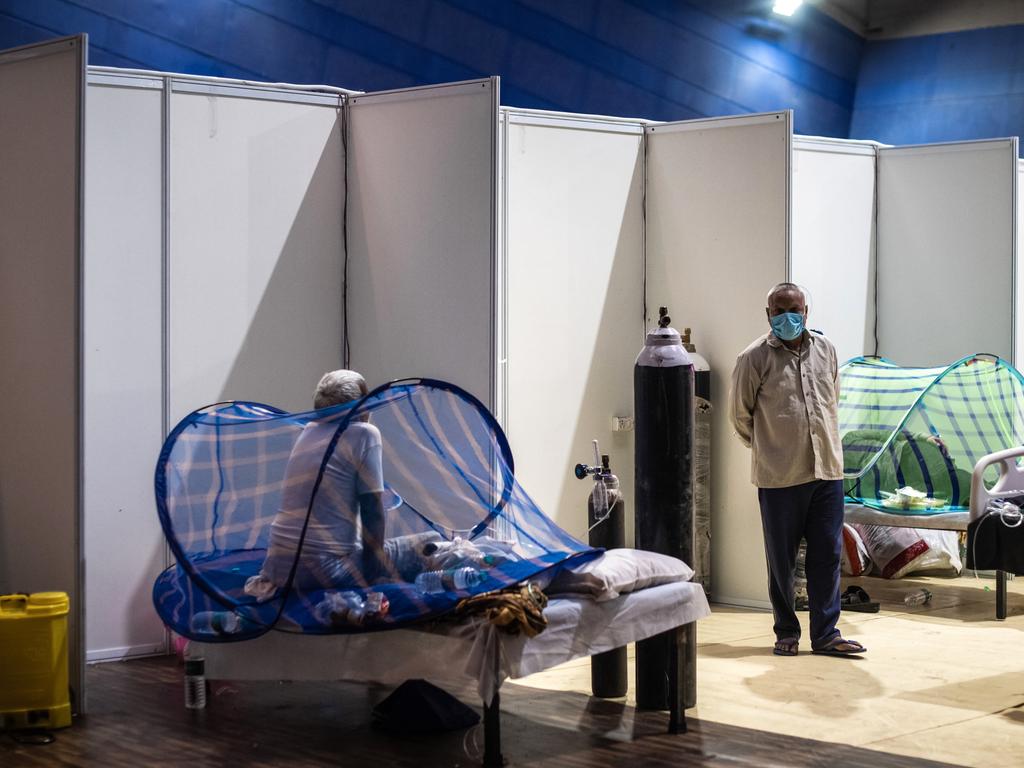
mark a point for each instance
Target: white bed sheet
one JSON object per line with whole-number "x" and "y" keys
{"x": 470, "y": 650}
{"x": 944, "y": 521}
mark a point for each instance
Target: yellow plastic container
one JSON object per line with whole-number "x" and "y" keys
{"x": 34, "y": 661}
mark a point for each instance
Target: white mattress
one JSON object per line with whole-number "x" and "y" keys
{"x": 470, "y": 650}
{"x": 944, "y": 521}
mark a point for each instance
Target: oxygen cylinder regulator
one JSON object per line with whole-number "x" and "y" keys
{"x": 605, "y": 507}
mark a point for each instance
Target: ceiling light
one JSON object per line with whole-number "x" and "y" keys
{"x": 786, "y": 7}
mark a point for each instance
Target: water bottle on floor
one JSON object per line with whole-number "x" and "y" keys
{"x": 195, "y": 683}
{"x": 917, "y": 597}
{"x": 433, "y": 582}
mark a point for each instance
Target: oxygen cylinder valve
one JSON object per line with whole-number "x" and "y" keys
{"x": 583, "y": 471}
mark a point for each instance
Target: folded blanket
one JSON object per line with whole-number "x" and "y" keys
{"x": 513, "y": 610}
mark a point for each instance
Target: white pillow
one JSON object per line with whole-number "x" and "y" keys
{"x": 618, "y": 571}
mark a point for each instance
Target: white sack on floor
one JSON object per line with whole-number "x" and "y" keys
{"x": 854, "y": 560}
{"x": 898, "y": 552}
{"x": 943, "y": 552}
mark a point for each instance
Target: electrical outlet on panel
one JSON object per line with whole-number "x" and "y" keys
{"x": 622, "y": 423}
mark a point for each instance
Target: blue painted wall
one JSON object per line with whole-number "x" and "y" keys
{"x": 660, "y": 59}
{"x": 962, "y": 85}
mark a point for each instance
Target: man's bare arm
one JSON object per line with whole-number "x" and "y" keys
{"x": 371, "y": 512}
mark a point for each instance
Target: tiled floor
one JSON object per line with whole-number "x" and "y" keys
{"x": 943, "y": 681}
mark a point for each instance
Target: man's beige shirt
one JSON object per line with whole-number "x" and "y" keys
{"x": 784, "y": 408}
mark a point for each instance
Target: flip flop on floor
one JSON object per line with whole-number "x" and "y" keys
{"x": 837, "y": 646}
{"x": 787, "y": 646}
{"x": 856, "y": 599}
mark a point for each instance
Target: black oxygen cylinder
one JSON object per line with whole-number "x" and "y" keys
{"x": 663, "y": 392}
{"x": 608, "y": 671}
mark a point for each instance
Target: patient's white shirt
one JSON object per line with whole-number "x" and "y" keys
{"x": 353, "y": 469}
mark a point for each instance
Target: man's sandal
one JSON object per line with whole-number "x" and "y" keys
{"x": 787, "y": 646}
{"x": 856, "y": 599}
{"x": 837, "y": 646}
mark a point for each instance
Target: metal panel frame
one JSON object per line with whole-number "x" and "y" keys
{"x": 225, "y": 81}
{"x": 836, "y": 146}
{"x": 592, "y": 123}
{"x": 251, "y": 93}
{"x": 82, "y": 49}
{"x": 401, "y": 94}
{"x": 718, "y": 122}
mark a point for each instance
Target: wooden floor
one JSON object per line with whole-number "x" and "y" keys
{"x": 943, "y": 685}
{"x": 137, "y": 719}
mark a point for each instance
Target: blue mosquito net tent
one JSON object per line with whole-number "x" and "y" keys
{"x": 911, "y": 436}
{"x": 249, "y": 499}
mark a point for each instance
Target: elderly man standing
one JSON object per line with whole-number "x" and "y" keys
{"x": 785, "y": 392}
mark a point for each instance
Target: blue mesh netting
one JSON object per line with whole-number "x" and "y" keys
{"x": 235, "y": 480}
{"x": 925, "y": 429}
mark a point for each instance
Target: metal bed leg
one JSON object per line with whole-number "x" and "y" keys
{"x": 492, "y": 733}
{"x": 1000, "y": 595}
{"x": 492, "y": 712}
{"x": 677, "y": 679}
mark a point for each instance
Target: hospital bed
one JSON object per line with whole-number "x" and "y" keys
{"x": 475, "y": 650}
{"x": 1009, "y": 483}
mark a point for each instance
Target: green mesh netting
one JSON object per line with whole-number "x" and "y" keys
{"x": 911, "y": 436}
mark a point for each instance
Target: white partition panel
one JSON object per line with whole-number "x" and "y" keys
{"x": 256, "y": 195}
{"x": 41, "y": 121}
{"x": 717, "y": 240}
{"x": 123, "y": 364}
{"x": 946, "y": 242}
{"x": 422, "y": 234}
{"x": 833, "y": 225}
{"x": 574, "y": 286}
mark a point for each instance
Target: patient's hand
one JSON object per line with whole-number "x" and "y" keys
{"x": 937, "y": 442}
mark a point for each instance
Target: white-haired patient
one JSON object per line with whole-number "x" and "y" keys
{"x": 344, "y": 540}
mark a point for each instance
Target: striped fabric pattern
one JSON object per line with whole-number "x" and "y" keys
{"x": 925, "y": 428}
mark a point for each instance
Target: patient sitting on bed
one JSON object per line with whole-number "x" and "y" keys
{"x": 344, "y": 541}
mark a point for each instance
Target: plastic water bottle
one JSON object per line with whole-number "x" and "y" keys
{"x": 351, "y": 608}
{"x": 216, "y": 623}
{"x": 433, "y": 582}
{"x": 340, "y": 608}
{"x": 917, "y": 597}
{"x": 195, "y": 683}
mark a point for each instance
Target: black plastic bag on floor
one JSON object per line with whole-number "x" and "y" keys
{"x": 996, "y": 545}
{"x": 417, "y": 706}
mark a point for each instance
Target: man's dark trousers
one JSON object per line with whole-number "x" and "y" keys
{"x": 812, "y": 511}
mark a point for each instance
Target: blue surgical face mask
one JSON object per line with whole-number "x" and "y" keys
{"x": 788, "y": 325}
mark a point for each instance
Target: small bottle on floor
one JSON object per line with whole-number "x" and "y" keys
{"x": 917, "y": 597}
{"x": 195, "y": 683}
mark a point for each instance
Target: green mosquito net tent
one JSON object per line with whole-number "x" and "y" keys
{"x": 911, "y": 436}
